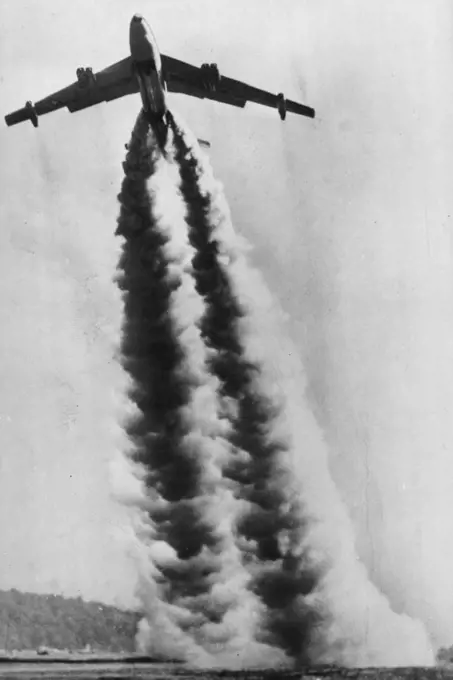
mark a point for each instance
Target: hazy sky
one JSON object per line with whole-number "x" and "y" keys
{"x": 350, "y": 217}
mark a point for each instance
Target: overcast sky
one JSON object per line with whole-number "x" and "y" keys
{"x": 351, "y": 221}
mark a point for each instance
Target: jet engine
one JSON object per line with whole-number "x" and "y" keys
{"x": 32, "y": 115}
{"x": 85, "y": 76}
{"x": 210, "y": 76}
{"x": 281, "y": 105}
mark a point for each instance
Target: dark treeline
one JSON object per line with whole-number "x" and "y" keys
{"x": 29, "y": 620}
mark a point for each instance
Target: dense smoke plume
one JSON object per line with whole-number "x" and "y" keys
{"x": 271, "y": 526}
{"x": 249, "y": 556}
{"x": 195, "y": 596}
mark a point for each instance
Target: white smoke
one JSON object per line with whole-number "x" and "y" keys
{"x": 359, "y": 627}
{"x": 233, "y": 622}
{"x": 213, "y": 622}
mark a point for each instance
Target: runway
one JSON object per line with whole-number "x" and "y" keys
{"x": 121, "y": 669}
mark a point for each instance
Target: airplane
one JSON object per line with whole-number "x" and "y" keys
{"x": 153, "y": 74}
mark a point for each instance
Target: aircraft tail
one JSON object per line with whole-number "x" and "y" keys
{"x": 159, "y": 124}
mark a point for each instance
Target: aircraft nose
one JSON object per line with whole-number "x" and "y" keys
{"x": 137, "y": 18}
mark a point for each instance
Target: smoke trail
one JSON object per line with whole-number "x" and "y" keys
{"x": 300, "y": 572}
{"x": 194, "y": 584}
{"x": 271, "y": 524}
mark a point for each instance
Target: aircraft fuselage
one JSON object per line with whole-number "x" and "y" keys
{"x": 147, "y": 66}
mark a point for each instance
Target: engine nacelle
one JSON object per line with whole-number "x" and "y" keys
{"x": 85, "y": 76}
{"x": 210, "y": 76}
{"x": 33, "y": 116}
{"x": 281, "y": 105}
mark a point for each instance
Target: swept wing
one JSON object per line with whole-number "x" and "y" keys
{"x": 89, "y": 89}
{"x": 207, "y": 83}
{"x": 118, "y": 80}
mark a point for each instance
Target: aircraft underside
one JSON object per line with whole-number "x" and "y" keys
{"x": 152, "y": 73}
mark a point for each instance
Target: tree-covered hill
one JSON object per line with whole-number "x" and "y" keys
{"x": 29, "y": 620}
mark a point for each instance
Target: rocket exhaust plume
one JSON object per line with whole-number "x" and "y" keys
{"x": 194, "y": 583}
{"x": 318, "y": 603}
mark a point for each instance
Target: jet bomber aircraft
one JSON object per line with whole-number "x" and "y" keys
{"x": 152, "y": 74}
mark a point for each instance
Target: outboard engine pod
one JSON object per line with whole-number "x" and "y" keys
{"x": 33, "y": 116}
{"x": 281, "y": 105}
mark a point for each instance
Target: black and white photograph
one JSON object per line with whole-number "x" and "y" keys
{"x": 226, "y": 339}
